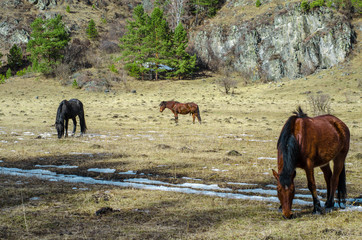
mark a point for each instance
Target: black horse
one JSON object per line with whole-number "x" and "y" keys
{"x": 66, "y": 110}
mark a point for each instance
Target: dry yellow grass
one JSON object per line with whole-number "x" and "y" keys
{"x": 126, "y": 131}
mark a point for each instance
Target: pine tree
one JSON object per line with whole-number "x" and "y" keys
{"x": 132, "y": 43}
{"x": 91, "y": 30}
{"x": 184, "y": 63}
{"x": 157, "y": 43}
{"x": 47, "y": 43}
{"x": 149, "y": 43}
{"x": 15, "y": 57}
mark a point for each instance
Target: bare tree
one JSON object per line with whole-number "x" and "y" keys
{"x": 176, "y": 10}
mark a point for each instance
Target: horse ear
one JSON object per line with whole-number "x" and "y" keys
{"x": 276, "y": 175}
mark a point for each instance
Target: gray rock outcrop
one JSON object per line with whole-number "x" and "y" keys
{"x": 43, "y": 4}
{"x": 283, "y": 42}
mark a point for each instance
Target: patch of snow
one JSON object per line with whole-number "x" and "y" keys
{"x": 218, "y": 170}
{"x": 28, "y": 134}
{"x": 129, "y": 172}
{"x": 102, "y": 170}
{"x": 242, "y": 184}
{"x": 267, "y": 158}
{"x": 352, "y": 209}
{"x": 34, "y": 198}
{"x": 194, "y": 179}
{"x": 55, "y": 166}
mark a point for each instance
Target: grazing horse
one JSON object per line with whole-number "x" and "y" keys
{"x": 66, "y": 110}
{"x": 307, "y": 143}
{"x": 181, "y": 108}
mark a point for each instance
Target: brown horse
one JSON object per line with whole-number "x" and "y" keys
{"x": 307, "y": 143}
{"x": 181, "y": 108}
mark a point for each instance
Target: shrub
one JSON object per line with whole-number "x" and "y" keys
{"x": 21, "y": 72}
{"x": 62, "y": 72}
{"x": 2, "y": 79}
{"x": 8, "y": 73}
{"x": 316, "y": 3}
{"x": 75, "y": 54}
{"x": 227, "y": 84}
{"x": 305, "y": 6}
{"x": 320, "y": 103}
{"x": 109, "y": 47}
{"x": 67, "y": 9}
{"x": 75, "y": 84}
{"x": 113, "y": 68}
{"x": 258, "y": 3}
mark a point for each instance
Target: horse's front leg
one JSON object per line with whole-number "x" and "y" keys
{"x": 312, "y": 188}
{"x": 66, "y": 127}
{"x": 176, "y": 118}
{"x": 74, "y": 125}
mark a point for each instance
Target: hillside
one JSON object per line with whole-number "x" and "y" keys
{"x": 266, "y": 43}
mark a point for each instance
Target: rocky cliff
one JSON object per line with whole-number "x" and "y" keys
{"x": 273, "y": 41}
{"x": 281, "y": 41}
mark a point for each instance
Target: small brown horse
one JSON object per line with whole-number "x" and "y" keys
{"x": 307, "y": 143}
{"x": 181, "y": 108}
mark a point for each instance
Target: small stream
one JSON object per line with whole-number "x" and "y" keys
{"x": 255, "y": 192}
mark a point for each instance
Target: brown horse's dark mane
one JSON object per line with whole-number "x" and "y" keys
{"x": 289, "y": 148}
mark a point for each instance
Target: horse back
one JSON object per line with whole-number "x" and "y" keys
{"x": 321, "y": 138}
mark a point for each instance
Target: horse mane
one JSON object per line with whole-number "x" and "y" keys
{"x": 59, "y": 118}
{"x": 289, "y": 147}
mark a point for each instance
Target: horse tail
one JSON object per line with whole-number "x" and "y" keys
{"x": 342, "y": 188}
{"x": 289, "y": 147}
{"x": 198, "y": 113}
{"x": 83, "y": 126}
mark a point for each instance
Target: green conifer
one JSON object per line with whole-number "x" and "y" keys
{"x": 91, "y": 30}
{"x": 15, "y": 57}
{"x": 47, "y": 42}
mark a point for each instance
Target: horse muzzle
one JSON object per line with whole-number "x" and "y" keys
{"x": 290, "y": 215}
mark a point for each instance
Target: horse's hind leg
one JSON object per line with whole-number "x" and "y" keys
{"x": 74, "y": 125}
{"x": 327, "y": 177}
{"x": 338, "y": 171}
{"x": 193, "y": 118}
{"x": 176, "y": 118}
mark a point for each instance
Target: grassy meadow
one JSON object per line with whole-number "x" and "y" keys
{"x": 127, "y": 132}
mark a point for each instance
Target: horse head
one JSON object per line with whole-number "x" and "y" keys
{"x": 286, "y": 195}
{"x": 162, "y": 106}
{"x": 60, "y": 129}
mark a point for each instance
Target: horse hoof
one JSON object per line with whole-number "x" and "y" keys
{"x": 318, "y": 210}
{"x": 317, "y": 213}
{"x": 329, "y": 210}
